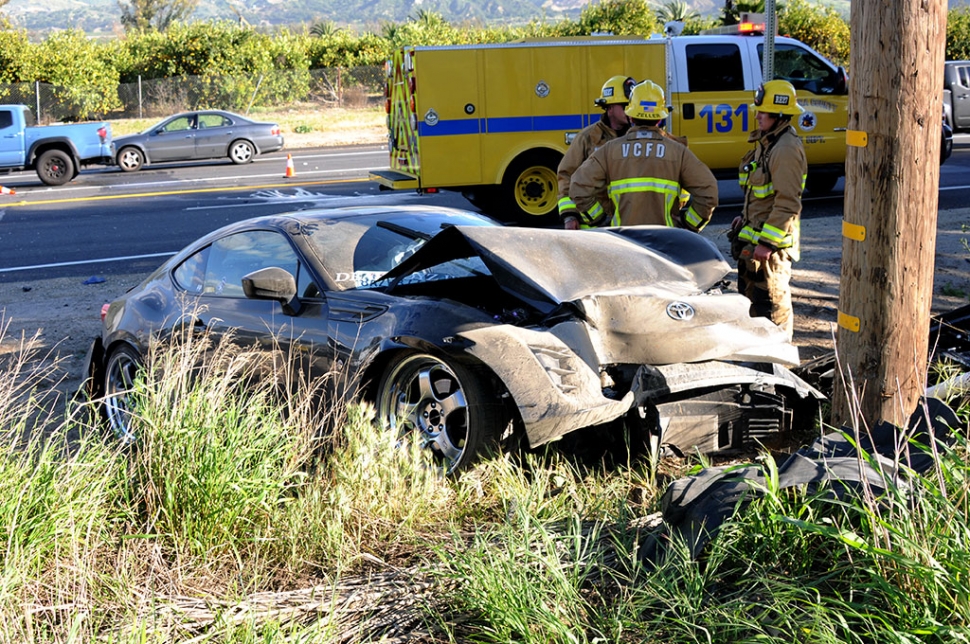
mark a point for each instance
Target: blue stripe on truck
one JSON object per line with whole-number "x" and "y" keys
{"x": 506, "y": 125}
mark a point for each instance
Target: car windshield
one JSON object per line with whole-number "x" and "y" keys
{"x": 356, "y": 252}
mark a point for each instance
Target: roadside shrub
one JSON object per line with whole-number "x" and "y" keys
{"x": 16, "y": 57}
{"x": 85, "y": 82}
{"x": 958, "y": 34}
{"x": 821, "y": 28}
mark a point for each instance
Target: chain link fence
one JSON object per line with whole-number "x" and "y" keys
{"x": 149, "y": 98}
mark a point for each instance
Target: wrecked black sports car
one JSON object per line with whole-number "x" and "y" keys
{"x": 460, "y": 329}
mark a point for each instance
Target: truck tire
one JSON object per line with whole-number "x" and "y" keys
{"x": 55, "y": 168}
{"x": 485, "y": 198}
{"x": 530, "y": 190}
{"x": 821, "y": 183}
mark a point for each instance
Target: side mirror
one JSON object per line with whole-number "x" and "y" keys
{"x": 275, "y": 284}
{"x": 842, "y": 83}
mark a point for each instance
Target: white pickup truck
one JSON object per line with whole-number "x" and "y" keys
{"x": 956, "y": 94}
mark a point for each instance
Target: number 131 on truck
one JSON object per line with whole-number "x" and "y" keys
{"x": 493, "y": 121}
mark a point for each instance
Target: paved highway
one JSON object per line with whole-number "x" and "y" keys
{"x": 109, "y": 222}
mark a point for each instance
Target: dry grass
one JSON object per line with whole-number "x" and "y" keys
{"x": 304, "y": 126}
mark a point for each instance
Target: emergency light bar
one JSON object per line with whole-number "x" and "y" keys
{"x": 750, "y": 24}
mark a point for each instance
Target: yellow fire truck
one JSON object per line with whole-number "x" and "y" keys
{"x": 493, "y": 121}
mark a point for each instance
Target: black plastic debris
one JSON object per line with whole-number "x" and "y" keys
{"x": 949, "y": 345}
{"x": 695, "y": 507}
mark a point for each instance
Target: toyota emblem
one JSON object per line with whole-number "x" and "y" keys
{"x": 680, "y": 310}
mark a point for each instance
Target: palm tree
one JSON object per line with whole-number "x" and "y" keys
{"x": 733, "y": 9}
{"x": 675, "y": 11}
{"x": 327, "y": 29}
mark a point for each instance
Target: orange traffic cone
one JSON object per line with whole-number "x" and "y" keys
{"x": 290, "y": 170}
{"x": 7, "y": 191}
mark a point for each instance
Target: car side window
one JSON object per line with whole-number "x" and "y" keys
{"x": 6, "y": 119}
{"x": 211, "y": 120}
{"x": 180, "y": 124}
{"x": 714, "y": 68}
{"x": 190, "y": 274}
{"x": 237, "y": 255}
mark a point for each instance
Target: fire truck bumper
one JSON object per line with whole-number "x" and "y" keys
{"x": 394, "y": 180}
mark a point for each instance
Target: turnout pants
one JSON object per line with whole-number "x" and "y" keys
{"x": 768, "y": 286}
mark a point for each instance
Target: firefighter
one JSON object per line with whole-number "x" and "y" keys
{"x": 645, "y": 173}
{"x": 772, "y": 175}
{"x": 613, "y": 99}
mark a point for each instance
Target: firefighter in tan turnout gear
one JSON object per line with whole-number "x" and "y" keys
{"x": 613, "y": 99}
{"x": 772, "y": 175}
{"x": 645, "y": 173}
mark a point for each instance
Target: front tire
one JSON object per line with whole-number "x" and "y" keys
{"x": 241, "y": 152}
{"x": 55, "y": 168}
{"x": 119, "y": 378}
{"x": 130, "y": 159}
{"x": 451, "y": 408}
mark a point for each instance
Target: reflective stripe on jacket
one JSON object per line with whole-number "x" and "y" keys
{"x": 586, "y": 141}
{"x": 644, "y": 174}
{"x": 772, "y": 176}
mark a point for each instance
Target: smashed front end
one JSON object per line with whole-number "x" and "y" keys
{"x": 626, "y": 323}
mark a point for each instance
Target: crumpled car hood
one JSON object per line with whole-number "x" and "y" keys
{"x": 644, "y": 291}
{"x": 549, "y": 267}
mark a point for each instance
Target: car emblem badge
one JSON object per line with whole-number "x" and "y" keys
{"x": 680, "y": 311}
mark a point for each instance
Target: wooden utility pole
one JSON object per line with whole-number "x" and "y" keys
{"x": 891, "y": 194}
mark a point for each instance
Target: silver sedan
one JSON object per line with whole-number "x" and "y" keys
{"x": 191, "y": 136}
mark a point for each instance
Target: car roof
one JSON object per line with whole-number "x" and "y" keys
{"x": 288, "y": 221}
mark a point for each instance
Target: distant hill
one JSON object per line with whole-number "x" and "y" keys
{"x": 102, "y": 17}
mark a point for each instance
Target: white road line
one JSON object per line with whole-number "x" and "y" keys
{"x": 119, "y": 187}
{"x": 298, "y": 157}
{"x": 105, "y": 260}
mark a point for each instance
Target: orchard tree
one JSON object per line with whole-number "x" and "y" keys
{"x": 159, "y": 15}
{"x": 619, "y": 17}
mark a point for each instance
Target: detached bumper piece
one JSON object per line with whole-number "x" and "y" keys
{"x": 844, "y": 463}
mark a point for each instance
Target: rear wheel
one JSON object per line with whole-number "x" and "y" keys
{"x": 119, "y": 378}
{"x": 448, "y": 407}
{"x": 130, "y": 159}
{"x": 241, "y": 152}
{"x": 530, "y": 189}
{"x": 55, "y": 168}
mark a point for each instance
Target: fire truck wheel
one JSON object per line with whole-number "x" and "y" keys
{"x": 821, "y": 183}
{"x": 530, "y": 189}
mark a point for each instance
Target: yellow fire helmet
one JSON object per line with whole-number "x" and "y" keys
{"x": 647, "y": 102}
{"x": 776, "y": 97}
{"x": 616, "y": 90}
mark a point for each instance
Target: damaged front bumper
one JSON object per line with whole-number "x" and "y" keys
{"x": 711, "y": 405}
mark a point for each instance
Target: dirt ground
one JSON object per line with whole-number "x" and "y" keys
{"x": 63, "y": 315}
